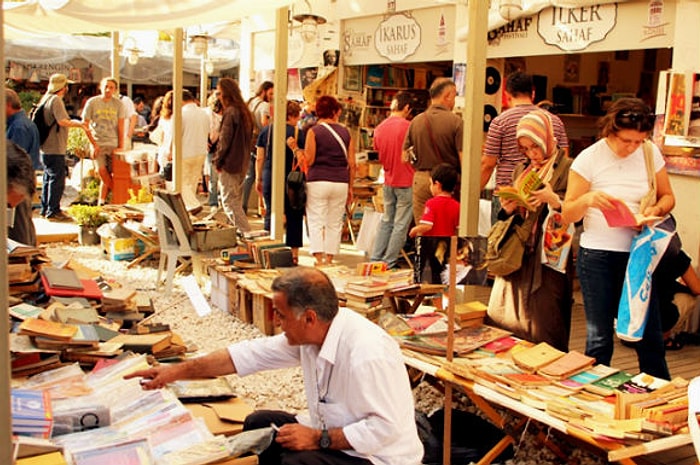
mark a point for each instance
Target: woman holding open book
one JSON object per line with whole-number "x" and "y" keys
{"x": 615, "y": 168}
{"x": 534, "y": 302}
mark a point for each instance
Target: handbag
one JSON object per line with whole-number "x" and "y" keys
{"x": 505, "y": 245}
{"x": 296, "y": 186}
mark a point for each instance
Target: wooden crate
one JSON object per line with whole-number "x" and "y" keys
{"x": 263, "y": 316}
{"x": 242, "y": 304}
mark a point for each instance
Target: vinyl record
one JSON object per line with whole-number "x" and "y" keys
{"x": 493, "y": 80}
{"x": 490, "y": 113}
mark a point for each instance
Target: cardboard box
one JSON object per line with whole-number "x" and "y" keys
{"x": 213, "y": 239}
{"x": 263, "y": 316}
{"x": 242, "y": 307}
{"x": 121, "y": 248}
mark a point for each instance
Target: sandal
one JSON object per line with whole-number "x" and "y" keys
{"x": 673, "y": 344}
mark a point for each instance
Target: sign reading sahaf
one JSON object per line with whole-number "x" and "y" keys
{"x": 397, "y": 37}
{"x": 573, "y": 29}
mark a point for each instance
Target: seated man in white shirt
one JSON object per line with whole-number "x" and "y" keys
{"x": 360, "y": 405}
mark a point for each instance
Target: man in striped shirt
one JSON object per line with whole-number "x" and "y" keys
{"x": 501, "y": 146}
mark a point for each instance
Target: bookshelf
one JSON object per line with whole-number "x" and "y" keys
{"x": 377, "y": 107}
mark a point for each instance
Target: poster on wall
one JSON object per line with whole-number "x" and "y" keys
{"x": 459, "y": 73}
{"x": 352, "y": 78}
{"x": 308, "y": 75}
{"x": 294, "y": 84}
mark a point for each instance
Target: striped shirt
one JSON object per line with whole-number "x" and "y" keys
{"x": 502, "y": 143}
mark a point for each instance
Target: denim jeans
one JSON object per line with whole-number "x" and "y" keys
{"x": 54, "y": 182}
{"x": 398, "y": 211}
{"x": 248, "y": 183}
{"x": 602, "y": 274}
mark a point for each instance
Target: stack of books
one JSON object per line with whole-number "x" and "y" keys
{"x": 22, "y": 267}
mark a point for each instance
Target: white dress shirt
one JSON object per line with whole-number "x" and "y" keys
{"x": 356, "y": 381}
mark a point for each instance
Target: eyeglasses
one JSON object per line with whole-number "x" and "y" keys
{"x": 640, "y": 121}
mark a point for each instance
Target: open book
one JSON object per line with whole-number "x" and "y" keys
{"x": 527, "y": 182}
{"x": 621, "y": 216}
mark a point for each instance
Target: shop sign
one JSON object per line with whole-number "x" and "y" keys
{"x": 355, "y": 41}
{"x": 397, "y": 37}
{"x": 574, "y": 29}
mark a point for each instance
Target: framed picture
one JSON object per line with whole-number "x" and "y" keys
{"x": 433, "y": 256}
{"x": 572, "y": 65}
{"x": 352, "y": 78}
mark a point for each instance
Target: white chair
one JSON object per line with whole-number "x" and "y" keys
{"x": 174, "y": 243}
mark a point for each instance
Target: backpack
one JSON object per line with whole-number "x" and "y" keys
{"x": 39, "y": 118}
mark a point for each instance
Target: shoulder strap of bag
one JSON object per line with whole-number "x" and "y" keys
{"x": 337, "y": 137}
{"x": 649, "y": 162}
{"x": 651, "y": 174}
{"x": 432, "y": 139}
{"x": 295, "y": 161}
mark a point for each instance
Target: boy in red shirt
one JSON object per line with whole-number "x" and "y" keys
{"x": 441, "y": 214}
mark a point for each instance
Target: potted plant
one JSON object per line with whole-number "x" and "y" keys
{"x": 88, "y": 218}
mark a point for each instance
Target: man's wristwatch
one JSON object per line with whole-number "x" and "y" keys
{"x": 325, "y": 441}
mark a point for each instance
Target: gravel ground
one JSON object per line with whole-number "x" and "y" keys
{"x": 280, "y": 389}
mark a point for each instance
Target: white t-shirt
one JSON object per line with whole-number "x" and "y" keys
{"x": 624, "y": 178}
{"x": 195, "y": 131}
{"x": 360, "y": 374}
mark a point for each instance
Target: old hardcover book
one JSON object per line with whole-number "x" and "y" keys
{"x": 202, "y": 390}
{"x": 571, "y": 363}
{"x": 24, "y": 310}
{"x": 465, "y": 340}
{"x": 536, "y": 357}
{"x": 50, "y": 329}
{"x": 498, "y": 346}
{"x": 143, "y": 343}
{"x": 62, "y": 278}
{"x": 470, "y": 311}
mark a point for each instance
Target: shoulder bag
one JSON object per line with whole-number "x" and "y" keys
{"x": 507, "y": 239}
{"x": 296, "y": 184}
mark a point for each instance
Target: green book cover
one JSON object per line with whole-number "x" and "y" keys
{"x": 607, "y": 385}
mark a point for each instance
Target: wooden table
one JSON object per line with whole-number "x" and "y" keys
{"x": 677, "y": 449}
{"x": 418, "y": 294}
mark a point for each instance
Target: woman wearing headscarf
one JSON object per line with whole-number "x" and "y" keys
{"x": 534, "y": 303}
{"x": 615, "y": 167}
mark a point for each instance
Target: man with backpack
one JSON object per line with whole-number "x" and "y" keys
{"x": 52, "y": 120}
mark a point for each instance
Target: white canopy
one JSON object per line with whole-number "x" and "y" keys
{"x": 73, "y": 16}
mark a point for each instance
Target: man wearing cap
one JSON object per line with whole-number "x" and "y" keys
{"x": 53, "y": 150}
{"x": 104, "y": 115}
